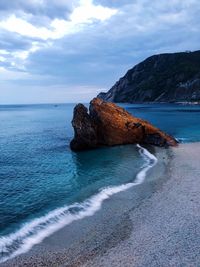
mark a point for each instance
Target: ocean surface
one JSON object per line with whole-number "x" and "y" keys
{"x": 44, "y": 185}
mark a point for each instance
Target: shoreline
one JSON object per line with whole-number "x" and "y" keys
{"x": 124, "y": 228}
{"x": 35, "y": 231}
{"x": 166, "y": 226}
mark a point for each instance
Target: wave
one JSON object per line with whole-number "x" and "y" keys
{"x": 35, "y": 231}
{"x": 183, "y": 139}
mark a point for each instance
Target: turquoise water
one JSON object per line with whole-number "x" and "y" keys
{"x": 39, "y": 174}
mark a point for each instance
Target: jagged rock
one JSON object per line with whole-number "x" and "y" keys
{"x": 107, "y": 124}
{"x": 160, "y": 78}
{"x": 85, "y": 134}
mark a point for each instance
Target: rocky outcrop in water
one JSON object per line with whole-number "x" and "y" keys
{"x": 160, "y": 78}
{"x": 107, "y": 124}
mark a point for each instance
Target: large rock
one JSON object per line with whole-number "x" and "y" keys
{"x": 107, "y": 124}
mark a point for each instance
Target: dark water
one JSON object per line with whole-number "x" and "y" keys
{"x": 39, "y": 174}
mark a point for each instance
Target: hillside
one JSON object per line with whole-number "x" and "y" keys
{"x": 160, "y": 78}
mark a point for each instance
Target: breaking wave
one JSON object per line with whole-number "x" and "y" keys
{"x": 33, "y": 232}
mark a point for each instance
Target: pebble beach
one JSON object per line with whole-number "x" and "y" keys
{"x": 156, "y": 225}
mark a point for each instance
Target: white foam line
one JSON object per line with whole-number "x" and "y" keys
{"x": 35, "y": 231}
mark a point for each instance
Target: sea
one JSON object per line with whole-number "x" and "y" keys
{"x": 45, "y": 186}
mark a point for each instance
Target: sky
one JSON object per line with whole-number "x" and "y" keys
{"x": 61, "y": 51}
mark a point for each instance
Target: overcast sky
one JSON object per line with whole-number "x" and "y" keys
{"x": 69, "y": 50}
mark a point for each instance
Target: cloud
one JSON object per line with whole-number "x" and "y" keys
{"x": 85, "y": 13}
{"x": 101, "y": 54}
{"x": 45, "y": 8}
{"x": 112, "y": 3}
{"x": 11, "y": 41}
{"x": 90, "y": 44}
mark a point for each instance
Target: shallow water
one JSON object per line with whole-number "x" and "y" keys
{"x": 39, "y": 173}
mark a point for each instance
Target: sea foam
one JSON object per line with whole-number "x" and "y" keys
{"x": 33, "y": 232}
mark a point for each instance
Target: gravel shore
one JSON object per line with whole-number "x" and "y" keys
{"x": 156, "y": 225}
{"x": 166, "y": 227}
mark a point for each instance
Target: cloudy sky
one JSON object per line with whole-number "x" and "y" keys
{"x": 69, "y": 50}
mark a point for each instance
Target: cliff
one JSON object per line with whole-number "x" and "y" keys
{"x": 107, "y": 124}
{"x": 160, "y": 78}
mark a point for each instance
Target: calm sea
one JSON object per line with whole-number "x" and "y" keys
{"x": 42, "y": 181}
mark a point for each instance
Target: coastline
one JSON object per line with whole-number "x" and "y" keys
{"x": 154, "y": 225}
{"x": 186, "y": 103}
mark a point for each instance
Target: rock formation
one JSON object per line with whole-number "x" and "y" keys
{"x": 107, "y": 124}
{"x": 160, "y": 78}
